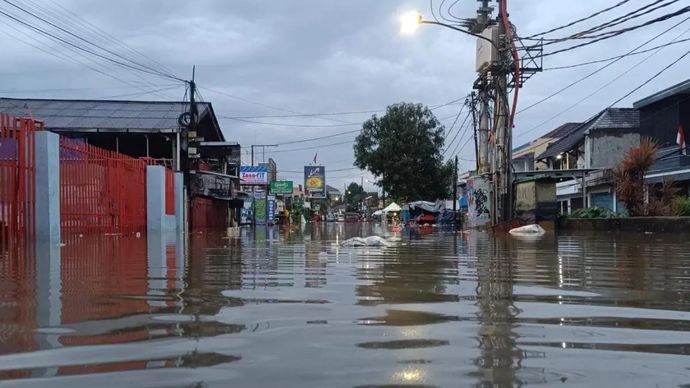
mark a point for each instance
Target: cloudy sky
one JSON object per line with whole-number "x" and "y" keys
{"x": 281, "y": 58}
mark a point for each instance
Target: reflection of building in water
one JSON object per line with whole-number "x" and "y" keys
{"x": 500, "y": 357}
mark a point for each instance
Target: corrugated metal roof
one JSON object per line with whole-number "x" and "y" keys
{"x": 609, "y": 118}
{"x": 680, "y": 88}
{"x": 101, "y": 114}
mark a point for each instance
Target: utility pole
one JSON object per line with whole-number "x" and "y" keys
{"x": 263, "y": 148}
{"x": 455, "y": 185}
{"x": 494, "y": 151}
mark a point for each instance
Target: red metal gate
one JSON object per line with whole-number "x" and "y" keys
{"x": 101, "y": 191}
{"x": 17, "y": 178}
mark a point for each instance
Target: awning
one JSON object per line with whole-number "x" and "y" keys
{"x": 392, "y": 208}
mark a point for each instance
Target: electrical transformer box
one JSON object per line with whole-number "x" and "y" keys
{"x": 487, "y": 53}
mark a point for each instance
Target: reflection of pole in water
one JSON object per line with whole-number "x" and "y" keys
{"x": 500, "y": 358}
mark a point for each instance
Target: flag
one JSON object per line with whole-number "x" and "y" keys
{"x": 315, "y": 155}
{"x": 681, "y": 140}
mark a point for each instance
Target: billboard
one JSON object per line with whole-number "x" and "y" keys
{"x": 253, "y": 175}
{"x": 315, "y": 181}
{"x": 281, "y": 187}
{"x": 260, "y": 208}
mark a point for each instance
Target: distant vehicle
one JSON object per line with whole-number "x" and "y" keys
{"x": 352, "y": 217}
{"x": 341, "y": 218}
{"x": 331, "y": 218}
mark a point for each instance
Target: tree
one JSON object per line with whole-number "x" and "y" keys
{"x": 354, "y": 196}
{"x": 629, "y": 184}
{"x": 404, "y": 149}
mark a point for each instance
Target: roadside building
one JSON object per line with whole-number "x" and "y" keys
{"x": 334, "y": 195}
{"x": 524, "y": 156}
{"x": 151, "y": 129}
{"x": 662, "y": 116}
{"x": 593, "y": 148}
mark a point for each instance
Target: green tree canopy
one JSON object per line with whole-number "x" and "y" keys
{"x": 354, "y": 195}
{"x": 404, "y": 149}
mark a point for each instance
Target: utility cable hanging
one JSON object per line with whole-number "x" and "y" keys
{"x": 601, "y": 68}
{"x": 578, "y": 20}
{"x": 620, "y": 32}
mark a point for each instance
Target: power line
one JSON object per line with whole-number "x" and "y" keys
{"x": 644, "y": 10}
{"x": 601, "y": 68}
{"x": 616, "y": 57}
{"x": 58, "y": 54}
{"x": 101, "y": 33}
{"x": 291, "y": 125}
{"x": 621, "y": 75}
{"x": 578, "y": 20}
{"x": 652, "y": 78}
{"x": 467, "y": 116}
{"x": 66, "y": 19}
{"x": 311, "y": 148}
{"x": 464, "y": 145}
{"x": 136, "y": 65}
{"x": 142, "y": 93}
{"x": 620, "y": 32}
{"x": 319, "y": 138}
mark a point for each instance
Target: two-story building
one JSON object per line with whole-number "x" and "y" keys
{"x": 596, "y": 146}
{"x": 662, "y": 115}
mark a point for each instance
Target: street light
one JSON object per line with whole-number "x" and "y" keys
{"x": 410, "y": 21}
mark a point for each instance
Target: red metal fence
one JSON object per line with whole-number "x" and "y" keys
{"x": 169, "y": 191}
{"x": 17, "y": 178}
{"x": 100, "y": 190}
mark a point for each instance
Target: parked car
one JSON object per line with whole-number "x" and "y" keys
{"x": 331, "y": 218}
{"x": 341, "y": 218}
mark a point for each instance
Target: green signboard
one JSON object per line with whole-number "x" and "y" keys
{"x": 281, "y": 187}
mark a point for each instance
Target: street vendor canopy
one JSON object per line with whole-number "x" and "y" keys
{"x": 392, "y": 208}
{"x": 429, "y": 207}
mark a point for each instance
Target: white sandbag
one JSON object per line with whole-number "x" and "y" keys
{"x": 528, "y": 230}
{"x": 371, "y": 241}
{"x": 354, "y": 242}
{"x": 376, "y": 241}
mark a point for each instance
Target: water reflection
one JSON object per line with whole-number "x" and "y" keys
{"x": 291, "y": 307}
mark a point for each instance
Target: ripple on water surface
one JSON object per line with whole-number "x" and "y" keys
{"x": 284, "y": 307}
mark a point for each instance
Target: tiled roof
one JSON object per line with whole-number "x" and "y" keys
{"x": 609, "y": 118}
{"x": 680, "y": 88}
{"x": 100, "y": 114}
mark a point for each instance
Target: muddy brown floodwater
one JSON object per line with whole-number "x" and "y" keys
{"x": 281, "y": 308}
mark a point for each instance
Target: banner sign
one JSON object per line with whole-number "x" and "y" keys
{"x": 260, "y": 208}
{"x": 271, "y": 208}
{"x": 281, "y": 187}
{"x": 253, "y": 175}
{"x": 315, "y": 180}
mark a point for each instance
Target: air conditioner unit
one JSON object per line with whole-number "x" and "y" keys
{"x": 487, "y": 54}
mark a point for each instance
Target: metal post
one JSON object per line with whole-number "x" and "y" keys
{"x": 584, "y": 191}
{"x": 252, "y": 154}
{"x": 455, "y": 185}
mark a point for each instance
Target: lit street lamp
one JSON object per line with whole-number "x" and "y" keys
{"x": 410, "y": 21}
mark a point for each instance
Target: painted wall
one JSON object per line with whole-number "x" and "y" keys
{"x": 607, "y": 150}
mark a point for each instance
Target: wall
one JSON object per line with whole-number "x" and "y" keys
{"x": 661, "y": 119}
{"x": 632, "y": 224}
{"x": 607, "y": 150}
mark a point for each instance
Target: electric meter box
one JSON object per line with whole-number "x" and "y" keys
{"x": 487, "y": 53}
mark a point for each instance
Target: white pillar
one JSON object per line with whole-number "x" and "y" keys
{"x": 155, "y": 199}
{"x": 47, "y": 187}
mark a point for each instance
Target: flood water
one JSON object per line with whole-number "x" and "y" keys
{"x": 290, "y": 308}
